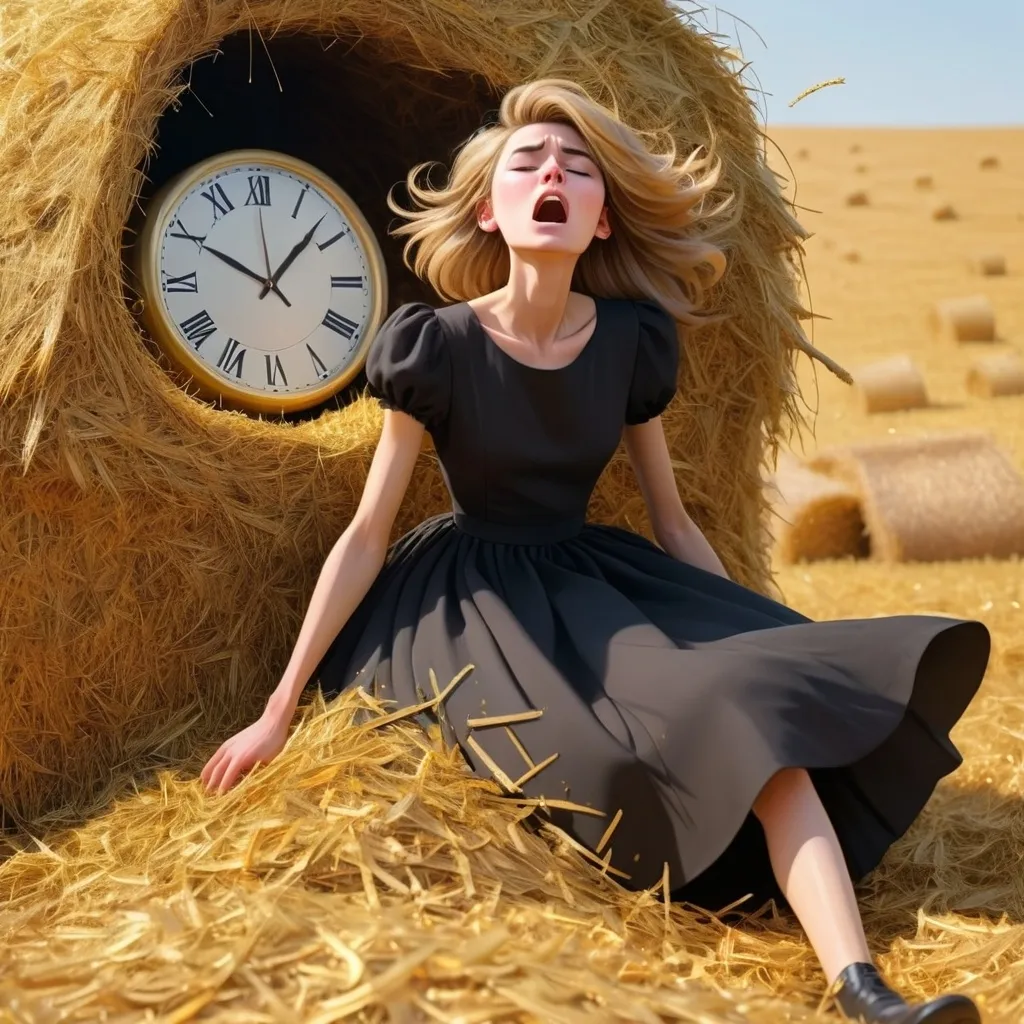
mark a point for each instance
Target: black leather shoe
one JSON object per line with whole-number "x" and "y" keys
{"x": 863, "y": 996}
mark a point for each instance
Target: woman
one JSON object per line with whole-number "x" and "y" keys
{"x": 710, "y": 729}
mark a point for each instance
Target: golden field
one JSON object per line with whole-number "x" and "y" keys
{"x": 362, "y": 876}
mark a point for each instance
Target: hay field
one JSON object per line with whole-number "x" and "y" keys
{"x": 363, "y": 877}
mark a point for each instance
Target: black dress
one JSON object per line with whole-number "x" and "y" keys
{"x": 666, "y": 692}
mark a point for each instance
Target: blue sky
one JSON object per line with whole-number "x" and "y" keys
{"x": 906, "y": 62}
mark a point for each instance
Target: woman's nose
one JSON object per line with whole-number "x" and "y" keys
{"x": 552, "y": 173}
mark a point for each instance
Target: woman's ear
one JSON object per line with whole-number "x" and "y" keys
{"x": 485, "y": 216}
{"x": 604, "y": 227}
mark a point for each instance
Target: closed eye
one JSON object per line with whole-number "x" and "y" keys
{"x": 568, "y": 170}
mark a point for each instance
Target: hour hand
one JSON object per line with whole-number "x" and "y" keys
{"x": 232, "y": 262}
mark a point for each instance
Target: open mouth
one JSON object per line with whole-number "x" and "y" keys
{"x": 550, "y": 210}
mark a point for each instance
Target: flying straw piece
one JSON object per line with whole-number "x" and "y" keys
{"x": 816, "y": 88}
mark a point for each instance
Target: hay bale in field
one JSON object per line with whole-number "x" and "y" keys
{"x": 988, "y": 264}
{"x": 851, "y": 255}
{"x": 891, "y": 385}
{"x": 996, "y": 376}
{"x": 970, "y": 318}
{"x": 989, "y": 163}
{"x": 813, "y": 516}
{"x": 933, "y": 498}
{"x": 924, "y": 182}
{"x": 945, "y": 211}
{"x": 158, "y": 553}
{"x": 858, "y": 198}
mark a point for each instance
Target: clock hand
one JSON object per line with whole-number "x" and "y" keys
{"x": 290, "y": 258}
{"x": 266, "y": 261}
{"x": 232, "y": 262}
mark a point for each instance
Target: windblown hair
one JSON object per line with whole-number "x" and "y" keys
{"x": 653, "y": 198}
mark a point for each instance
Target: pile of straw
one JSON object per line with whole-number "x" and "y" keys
{"x": 158, "y": 553}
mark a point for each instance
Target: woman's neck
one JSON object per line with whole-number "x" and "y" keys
{"x": 533, "y": 305}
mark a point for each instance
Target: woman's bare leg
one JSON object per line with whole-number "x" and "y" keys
{"x": 810, "y": 869}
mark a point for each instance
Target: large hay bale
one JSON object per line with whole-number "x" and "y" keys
{"x": 817, "y": 517}
{"x": 158, "y": 553}
{"x": 933, "y": 498}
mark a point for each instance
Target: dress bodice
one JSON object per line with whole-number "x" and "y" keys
{"x": 522, "y": 445}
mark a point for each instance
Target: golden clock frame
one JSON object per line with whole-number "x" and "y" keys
{"x": 163, "y": 330}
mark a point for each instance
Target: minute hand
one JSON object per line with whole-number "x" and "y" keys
{"x": 232, "y": 262}
{"x": 291, "y": 257}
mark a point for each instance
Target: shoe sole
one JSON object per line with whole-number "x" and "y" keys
{"x": 945, "y": 1010}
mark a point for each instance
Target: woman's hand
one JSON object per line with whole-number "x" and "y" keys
{"x": 256, "y": 744}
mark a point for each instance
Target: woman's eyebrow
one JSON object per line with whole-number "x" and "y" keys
{"x": 569, "y": 150}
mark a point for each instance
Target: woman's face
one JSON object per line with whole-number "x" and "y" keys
{"x": 547, "y": 193}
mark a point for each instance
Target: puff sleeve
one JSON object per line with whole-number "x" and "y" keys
{"x": 408, "y": 365}
{"x": 656, "y": 366}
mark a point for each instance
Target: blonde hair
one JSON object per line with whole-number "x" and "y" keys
{"x": 653, "y": 199}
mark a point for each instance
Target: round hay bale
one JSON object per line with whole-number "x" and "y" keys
{"x": 851, "y": 255}
{"x": 858, "y": 198}
{"x": 924, "y": 182}
{"x": 996, "y": 376}
{"x": 933, "y": 498}
{"x": 814, "y": 517}
{"x": 159, "y": 552}
{"x": 803, "y": 153}
{"x": 989, "y": 163}
{"x": 964, "y": 319}
{"x": 988, "y": 264}
{"x": 945, "y": 211}
{"x": 861, "y": 169}
{"x": 891, "y": 385}
{"x": 856, "y": 147}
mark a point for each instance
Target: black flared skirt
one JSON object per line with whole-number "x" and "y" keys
{"x": 664, "y": 692}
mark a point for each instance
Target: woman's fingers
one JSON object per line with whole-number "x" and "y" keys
{"x": 231, "y": 773}
{"x": 219, "y": 765}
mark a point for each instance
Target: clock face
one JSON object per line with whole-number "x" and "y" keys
{"x": 269, "y": 280}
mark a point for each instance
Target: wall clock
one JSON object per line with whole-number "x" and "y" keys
{"x": 261, "y": 280}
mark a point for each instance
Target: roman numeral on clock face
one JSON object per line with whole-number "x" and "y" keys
{"x": 231, "y": 358}
{"x": 302, "y": 195}
{"x": 272, "y": 371}
{"x": 221, "y": 204}
{"x": 198, "y": 327}
{"x": 340, "y": 324}
{"x": 321, "y": 366}
{"x": 186, "y": 283}
{"x": 184, "y": 233}
{"x": 347, "y": 282}
{"x": 259, "y": 190}
{"x": 330, "y": 241}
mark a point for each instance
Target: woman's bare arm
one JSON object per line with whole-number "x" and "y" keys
{"x": 356, "y": 558}
{"x": 673, "y": 529}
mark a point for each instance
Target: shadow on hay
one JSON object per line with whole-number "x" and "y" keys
{"x": 348, "y": 108}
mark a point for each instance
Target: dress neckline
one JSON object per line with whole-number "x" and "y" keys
{"x": 489, "y": 338}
